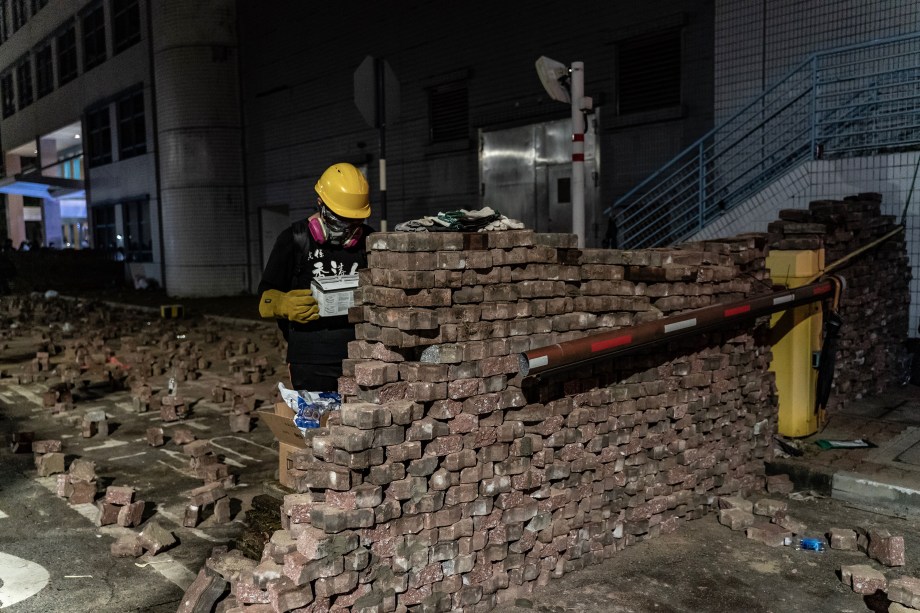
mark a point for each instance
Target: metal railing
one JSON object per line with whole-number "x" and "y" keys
{"x": 855, "y": 100}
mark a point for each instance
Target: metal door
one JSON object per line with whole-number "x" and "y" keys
{"x": 526, "y": 174}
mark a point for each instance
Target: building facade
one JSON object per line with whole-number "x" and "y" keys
{"x": 184, "y": 136}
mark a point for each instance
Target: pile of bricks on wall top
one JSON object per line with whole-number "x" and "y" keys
{"x": 448, "y": 482}
{"x": 875, "y": 304}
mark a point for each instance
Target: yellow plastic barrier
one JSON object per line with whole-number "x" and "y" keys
{"x": 796, "y": 337}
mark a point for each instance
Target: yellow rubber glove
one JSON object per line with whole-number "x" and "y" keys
{"x": 297, "y": 305}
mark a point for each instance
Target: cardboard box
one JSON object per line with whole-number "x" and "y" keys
{"x": 281, "y": 422}
{"x": 290, "y": 439}
{"x": 334, "y": 295}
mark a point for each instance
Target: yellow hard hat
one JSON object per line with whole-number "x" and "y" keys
{"x": 344, "y": 190}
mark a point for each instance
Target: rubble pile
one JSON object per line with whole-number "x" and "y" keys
{"x": 778, "y": 528}
{"x": 874, "y": 306}
{"x": 82, "y": 361}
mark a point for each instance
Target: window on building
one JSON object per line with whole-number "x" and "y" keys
{"x": 126, "y": 24}
{"x": 648, "y": 72}
{"x": 67, "y": 55}
{"x": 4, "y": 32}
{"x": 132, "y": 125}
{"x": 9, "y": 94}
{"x": 24, "y": 83}
{"x": 44, "y": 71}
{"x": 70, "y": 167}
{"x": 18, "y": 15}
{"x": 448, "y": 112}
{"x": 93, "y": 25}
{"x": 99, "y": 131}
{"x": 138, "y": 246}
{"x": 104, "y": 233}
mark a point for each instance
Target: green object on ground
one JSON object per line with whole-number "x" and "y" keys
{"x": 853, "y": 444}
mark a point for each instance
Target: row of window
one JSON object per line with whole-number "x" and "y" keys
{"x": 58, "y": 53}
{"x": 131, "y": 129}
{"x": 15, "y": 13}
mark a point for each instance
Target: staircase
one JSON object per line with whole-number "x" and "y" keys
{"x": 857, "y": 100}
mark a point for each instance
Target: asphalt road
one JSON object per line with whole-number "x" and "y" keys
{"x": 706, "y": 567}
{"x": 54, "y": 558}
{"x": 54, "y": 549}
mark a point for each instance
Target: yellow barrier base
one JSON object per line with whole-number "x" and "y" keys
{"x": 171, "y": 311}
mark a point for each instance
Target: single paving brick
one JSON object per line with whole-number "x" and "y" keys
{"x": 842, "y": 538}
{"x": 905, "y": 591}
{"x": 862, "y": 578}
{"x": 887, "y": 549}
{"x": 155, "y": 538}
{"x": 771, "y": 535}
{"x": 770, "y": 507}
{"x": 736, "y": 518}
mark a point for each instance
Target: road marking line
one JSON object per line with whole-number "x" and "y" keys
{"x": 175, "y": 519}
{"x": 176, "y": 454}
{"x": 30, "y": 395}
{"x": 246, "y": 440}
{"x": 106, "y": 445}
{"x": 3, "y": 515}
{"x": 236, "y": 453}
{"x": 164, "y": 564}
{"x": 7, "y": 399}
{"x": 171, "y": 569}
{"x": 178, "y": 470}
{"x": 195, "y": 425}
{"x": 88, "y": 510}
{"x": 125, "y": 457}
{"x": 191, "y": 423}
{"x": 20, "y": 579}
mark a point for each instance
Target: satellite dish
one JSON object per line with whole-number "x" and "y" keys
{"x": 555, "y": 78}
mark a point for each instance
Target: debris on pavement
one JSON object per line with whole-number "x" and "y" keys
{"x": 842, "y": 538}
{"x": 863, "y": 578}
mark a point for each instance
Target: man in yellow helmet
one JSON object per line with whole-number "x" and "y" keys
{"x": 331, "y": 242}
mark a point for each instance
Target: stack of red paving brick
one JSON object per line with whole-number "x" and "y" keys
{"x": 450, "y": 482}
{"x": 875, "y": 303}
{"x": 48, "y": 457}
{"x": 119, "y": 507}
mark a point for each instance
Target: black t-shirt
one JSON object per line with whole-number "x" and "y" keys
{"x": 325, "y": 340}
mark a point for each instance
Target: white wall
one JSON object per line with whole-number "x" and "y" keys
{"x": 890, "y": 175}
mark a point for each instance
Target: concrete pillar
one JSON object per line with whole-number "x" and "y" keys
{"x": 51, "y": 209}
{"x": 51, "y": 223}
{"x": 15, "y": 222}
{"x": 199, "y": 135}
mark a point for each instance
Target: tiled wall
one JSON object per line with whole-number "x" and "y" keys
{"x": 890, "y": 175}
{"x": 759, "y": 41}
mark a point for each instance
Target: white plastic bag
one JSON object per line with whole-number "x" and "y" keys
{"x": 309, "y": 407}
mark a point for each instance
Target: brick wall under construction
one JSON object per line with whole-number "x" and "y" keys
{"x": 449, "y": 481}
